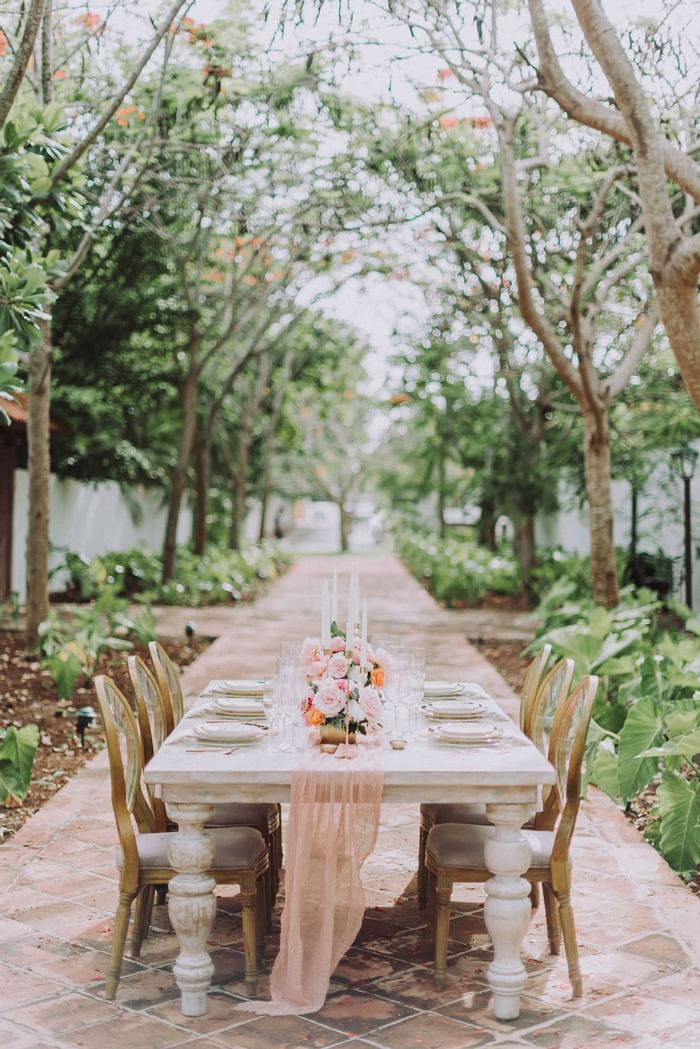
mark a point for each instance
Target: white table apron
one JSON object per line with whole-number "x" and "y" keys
{"x": 507, "y": 778}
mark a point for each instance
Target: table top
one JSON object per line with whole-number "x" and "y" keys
{"x": 511, "y": 770}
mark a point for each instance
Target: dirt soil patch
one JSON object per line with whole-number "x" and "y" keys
{"x": 28, "y": 696}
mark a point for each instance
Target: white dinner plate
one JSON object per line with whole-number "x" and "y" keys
{"x": 443, "y": 688}
{"x": 243, "y": 707}
{"x": 229, "y": 732}
{"x": 467, "y": 732}
{"x": 236, "y": 687}
{"x": 456, "y": 708}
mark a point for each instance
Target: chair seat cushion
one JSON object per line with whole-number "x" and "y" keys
{"x": 241, "y": 814}
{"x": 236, "y": 847}
{"x": 459, "y": 845}
{"x": 473, "y": 813}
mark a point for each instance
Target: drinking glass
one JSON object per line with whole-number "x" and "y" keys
{"x": 290, "y": 686}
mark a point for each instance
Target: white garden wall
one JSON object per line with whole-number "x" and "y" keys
{"x": 660, "y": 523}
{"x": 92, "y": 519}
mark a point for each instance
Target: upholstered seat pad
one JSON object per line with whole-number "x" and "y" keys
{"x": 473, "y": 813}
{"x": 241, "y": 814}
{"x": 459, "y": 845}
{"x": 235, "y": 847}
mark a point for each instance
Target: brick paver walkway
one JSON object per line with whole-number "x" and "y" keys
{"x": 639, "y": 927}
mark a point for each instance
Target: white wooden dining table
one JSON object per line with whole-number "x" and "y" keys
{"x": 507, "y": 776}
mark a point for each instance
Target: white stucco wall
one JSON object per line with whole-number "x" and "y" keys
{"x": 92, "y": 519}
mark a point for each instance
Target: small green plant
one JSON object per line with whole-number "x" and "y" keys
{"x": 218, "y": 577}
{"x": 458, "y": 570}
{"x": 71, "y": 648}
{"x": 18, "y": 747}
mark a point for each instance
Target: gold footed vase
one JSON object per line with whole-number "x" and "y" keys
{"x": 333, "y": 734}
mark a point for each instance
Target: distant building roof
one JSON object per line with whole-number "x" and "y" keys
{"x": 18, "y": 411}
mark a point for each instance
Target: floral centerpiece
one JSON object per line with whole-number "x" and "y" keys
{"x": 344, "y": 686}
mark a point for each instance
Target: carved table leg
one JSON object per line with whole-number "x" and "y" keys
{"x": 507, "y": 909}
{"x": 191, "y": 903}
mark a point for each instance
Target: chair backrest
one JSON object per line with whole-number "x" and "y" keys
{"x": 533, "y": 676}
{"x": 566, "y": 749}
{"x": 168, "y": 677}
{"x": 155, "y": 719}
{"x": 125, "y": 768}
{"x": 552, "y": 691}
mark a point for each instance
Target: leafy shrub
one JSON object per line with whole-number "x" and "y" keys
{"x": 18, "y": 747}
{"x": 646, "y": 720}
{"x": 71, "y": 647}
{"x": 458, "y": 569}
{"x": 218, "y": 577}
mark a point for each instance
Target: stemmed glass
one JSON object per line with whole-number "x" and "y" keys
{"x": 287, "y": 694}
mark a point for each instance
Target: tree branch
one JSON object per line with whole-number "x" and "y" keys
{"x": 630, "y": 362}
{"x": 85, "y": 143}
{"x": 32, "y": 24}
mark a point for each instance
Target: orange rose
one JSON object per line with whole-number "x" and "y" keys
{"x": 377, "y": 677}
{"x": 315, "y": 716}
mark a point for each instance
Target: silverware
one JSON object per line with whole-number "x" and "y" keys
{"x": 202, "y": 750}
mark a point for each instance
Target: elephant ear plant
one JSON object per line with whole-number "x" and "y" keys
{"x": 18, "y": 747}
{"x": 645, "y": 733}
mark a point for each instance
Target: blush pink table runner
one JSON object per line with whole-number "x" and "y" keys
{"x": 333, "y": 824}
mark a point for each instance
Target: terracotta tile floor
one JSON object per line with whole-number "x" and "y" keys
{"x": 638, "y": 926}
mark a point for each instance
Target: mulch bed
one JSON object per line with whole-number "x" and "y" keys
{"x": 28, "y": 695}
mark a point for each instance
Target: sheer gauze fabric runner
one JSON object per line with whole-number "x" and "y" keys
{"x": 333, "y": 824}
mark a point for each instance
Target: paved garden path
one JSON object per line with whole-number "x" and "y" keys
{"x": 639, "y": 927}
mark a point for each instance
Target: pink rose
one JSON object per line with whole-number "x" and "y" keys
{"x": 342, "y": 684}
{"x": 337, "y": 644}
{"x": 311, "y": 651}
{"x": 319, "y": 667}
{"x": 338, "y": 665}
{"x": 371, "y": 704}
{"x": 330, "y": 700}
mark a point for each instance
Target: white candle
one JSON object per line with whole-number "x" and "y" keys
{"x": 334, "y": 598}
{"x": 349, "y": 631}
{"x": 363, "y": 636}
{"x": 325, "y": 617}
{"x": 354, "y": 598}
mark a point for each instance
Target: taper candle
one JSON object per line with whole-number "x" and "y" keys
{"x": 325, "y": 618}
{"x": 334, "y": 598}
{"x": 363, "y": 636}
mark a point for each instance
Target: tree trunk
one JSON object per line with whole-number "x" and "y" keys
{"x": 344, "y": 527}
{"x": 201, "y": 480}
{"x": 441, "y": 492}
{"x": 486, "y": 530}
{"x": 264, "y": 502}
{"x": 634, "y": 515}
{"x": 178, "y": 482}
{"x": 39, "y": 468}
{"x": 238, "y": 492}
{"x": 597, "y": 465}
{"x": 525, "y": 547}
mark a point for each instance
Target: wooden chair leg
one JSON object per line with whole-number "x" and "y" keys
{"x": 534, "y": 896}
{"x": 248, "y": 899}
{"x": 142, "y": 919}
{"x": 442, "y": 924}
{"x": 568, "y": 931}
{"x": 551, "y": 910}
{"x": 121, "y": 927}
{"x": 262, "y": 910}
{"x": 422, "y": 871}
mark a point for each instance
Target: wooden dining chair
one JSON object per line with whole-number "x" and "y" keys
{"x": 537, "y": 694}
{"x": 264, "y": 816}
{"x": 240, "y": 856}
{"x": 168, "y": 678}
{"x": 455, "y": 851}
